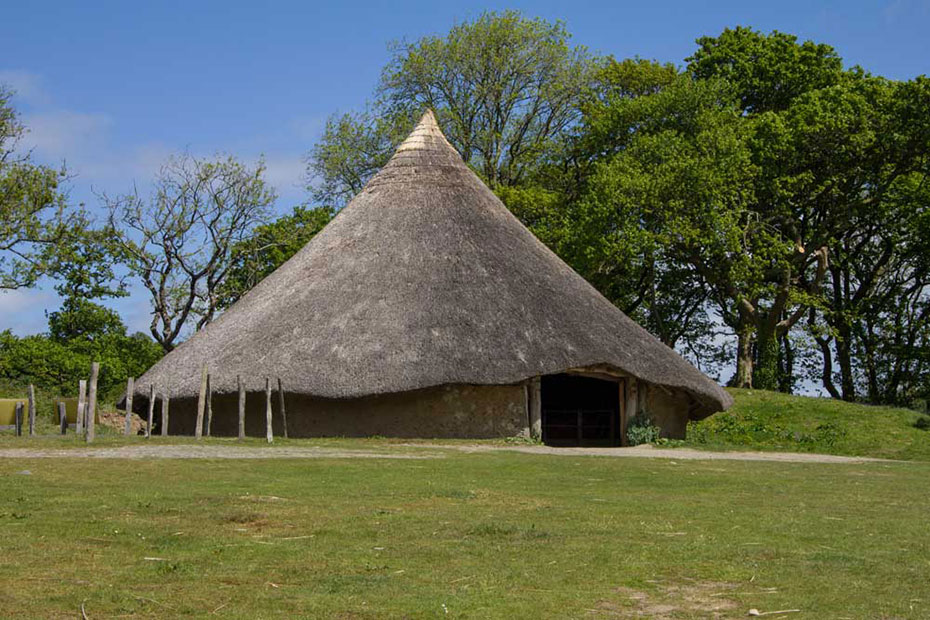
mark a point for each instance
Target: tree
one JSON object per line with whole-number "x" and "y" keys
{"x": 665, "y": 213}
{"x": 777, "y": 82}
{"x": 769, "y": 71}
{"x": 269, "y": 246}
{"x": 873, "y": 136}
{"x": 33, "y": 214}
{"x": 614, "y": 242}
{"x": 183, "y": 241}
{"x": 57, "y": 362}
{"x": 504, "y": 88}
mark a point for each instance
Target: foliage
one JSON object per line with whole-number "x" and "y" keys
{"x": 769, "y": 70}
{"x": 268, "y": 247}
{"x": 504, "y": 88}
{"x": 182, "y": 242}
{"x": 641, "y": 429}
{"x": 34, "y": 219}
{"x": 80, "y": 333}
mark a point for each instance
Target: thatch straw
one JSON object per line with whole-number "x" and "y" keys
{"x": 424, "y": 279}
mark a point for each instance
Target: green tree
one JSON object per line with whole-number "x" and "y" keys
{"x": 269, "y": 246}
{"x": 34, "y": 220}
{"x": 58, "y": 360}
{"x": 615, "y": 242}
{"x": 504, "y": 88}
{"x": 777, "y": 82}
{"x": 664, "y": 218}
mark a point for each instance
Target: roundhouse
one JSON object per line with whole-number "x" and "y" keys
{"x": 426, "y": 309}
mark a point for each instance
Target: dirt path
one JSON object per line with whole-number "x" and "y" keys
{"x": 411, "y": 451}
{"x": 209, "y": 452}
{"x": 678, "y": 454}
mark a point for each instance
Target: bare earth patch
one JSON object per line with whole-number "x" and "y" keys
{"x": 686, "y": 599}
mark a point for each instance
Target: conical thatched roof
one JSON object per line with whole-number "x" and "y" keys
{"x": 424, "y": 279}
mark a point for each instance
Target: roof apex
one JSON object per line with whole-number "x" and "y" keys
{"x": 425, "y": 135}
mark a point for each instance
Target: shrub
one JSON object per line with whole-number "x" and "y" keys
{"x": 641, "y": 430}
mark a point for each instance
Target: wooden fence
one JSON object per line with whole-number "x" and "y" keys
{"x": 81, "y": 412}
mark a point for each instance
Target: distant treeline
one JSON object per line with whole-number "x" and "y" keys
{"x": 762, "y": 209}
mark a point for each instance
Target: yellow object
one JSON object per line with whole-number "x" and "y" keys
{"x": 8, "y": 411}
{"x": 70, "y": 409}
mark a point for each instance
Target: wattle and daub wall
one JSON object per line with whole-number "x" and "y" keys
{"x": 450, "y": 411}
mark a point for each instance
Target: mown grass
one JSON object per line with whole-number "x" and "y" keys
{"x": 762, "y": 420}
{"x": 488, "y": 535}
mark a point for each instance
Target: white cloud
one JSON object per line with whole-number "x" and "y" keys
{"x": 23, "y": 310}
{"x": 286, "y": 174}
{"x": 64, "y": 134}
{"x": 27, "y": 86}
{"x": 307, "y": 127}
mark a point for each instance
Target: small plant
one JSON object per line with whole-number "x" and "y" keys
{"x": 522, "y": 440}
{"x": 641, "y": 430}
{"x": 923, "y": 423}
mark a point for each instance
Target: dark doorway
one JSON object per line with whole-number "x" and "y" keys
{"x": 580, "y": 411}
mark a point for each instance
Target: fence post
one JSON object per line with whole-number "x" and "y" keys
{"x": 241, "y": 407}
{"x": 151, "y": 416}
{"x": 209, "y": 403}
{"x": 32, "y": 410}
{"x": 19, "y": 419}
{"x": 281, "y": 407}
{"x": 130, "y": 387}
{"x": 62, "y": 418}
{"x": 92, "y": 402}
{"x": 82, "y": 402}
{"x": 165, "y": 401}
{"x": 198, "y": 426}
{"x": 268, "y": 409}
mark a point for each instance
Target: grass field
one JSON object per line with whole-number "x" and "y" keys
{"x": 762, "y": 420}
{"x": 489, "y": 535}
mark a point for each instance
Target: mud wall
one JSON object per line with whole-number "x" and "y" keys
{"x": 465, "y": 411}
{"x": 667, "y": 408}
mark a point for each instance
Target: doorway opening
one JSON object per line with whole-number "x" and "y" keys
{"x": 580, "y": 411}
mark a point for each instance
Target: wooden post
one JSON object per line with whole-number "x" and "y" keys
{"x": 281, "y": 407}
{"x": 632, "y": 404}
{"x": 19, "y": 419}
{"x": 534, "y": 401}
{"x": 92, "y": 402}
{"x": 82, "y": 403}
{"x": 268, "y": 434}
{"x": 209, "y": 405}
{"x": 621, "y": 388}
{"x": 165, "y": 402}
{"x": 62, "y": 418}
{"x": 151, "y": 417}
{"x": 32, "y": 410}
{"x": 241, "y": 407}
{"x": 198, "y": 426}
{"x": 129, "y": 389}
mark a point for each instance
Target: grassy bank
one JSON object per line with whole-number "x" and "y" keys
{"x": 483, "y": 536}
{"x": 772, "y": 421}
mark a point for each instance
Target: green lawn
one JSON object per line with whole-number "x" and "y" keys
{"x": 762, "y": 420}
{"x": 489, "y": 535}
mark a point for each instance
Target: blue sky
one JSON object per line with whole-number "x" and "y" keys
{"x": 113, "y": 88}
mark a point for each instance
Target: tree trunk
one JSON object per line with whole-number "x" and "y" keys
{"x": 844, "y": 358}
{"x": 743, "y": 377}
{"x": 786, "y": 364}
{"x": 765, "y": 372}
